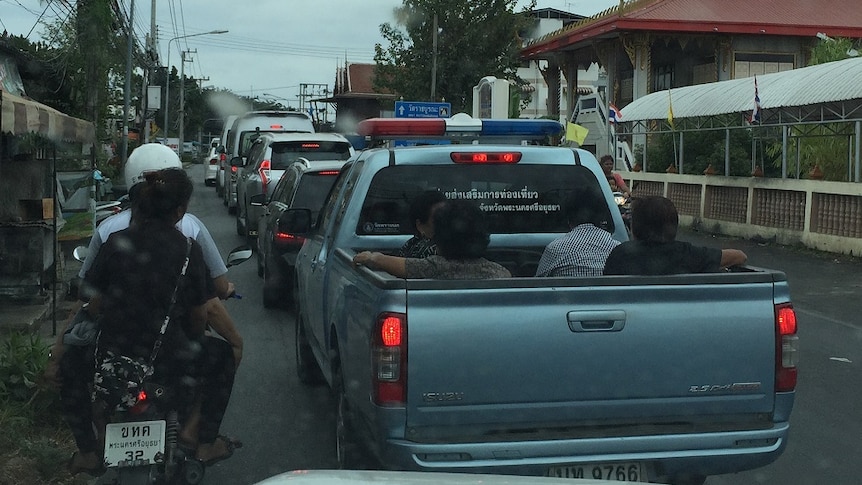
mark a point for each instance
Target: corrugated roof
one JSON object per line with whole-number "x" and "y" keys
{"x": 823, "y": 83}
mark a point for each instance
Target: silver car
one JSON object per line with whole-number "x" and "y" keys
{"x": 268, "y": 157}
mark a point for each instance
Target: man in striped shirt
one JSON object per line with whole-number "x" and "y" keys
{"x": 584, "y": 249}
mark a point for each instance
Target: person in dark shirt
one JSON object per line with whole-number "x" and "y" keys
{"x": 421, "y": 210}
{"x": 654, "y": 249}
{"x": 462, "y": 239}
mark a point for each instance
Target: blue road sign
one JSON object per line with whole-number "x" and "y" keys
{"x": 420, "y": 109}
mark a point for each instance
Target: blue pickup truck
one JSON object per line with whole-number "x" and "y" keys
{"x": 627, "y": 378}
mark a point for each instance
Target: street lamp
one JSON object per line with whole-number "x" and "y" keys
{"x": 279, "y": 97}
{"x": 168, "y": 74}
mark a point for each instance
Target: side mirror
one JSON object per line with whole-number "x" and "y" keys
{"x": 236, "y": 162}
{"x": 258, "y": 200}
{"x": 295, "y": 221}
{"x": 80, "y": 253}
{"x": 239, "y": 255}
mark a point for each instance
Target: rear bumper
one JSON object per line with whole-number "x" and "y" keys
{"x": 664, "y": 455}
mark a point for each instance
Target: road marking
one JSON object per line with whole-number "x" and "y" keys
{"x": 841, "y": 359}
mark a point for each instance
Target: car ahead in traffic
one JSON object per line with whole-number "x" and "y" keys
{"x": 246, "y": 129}
{"x": 269, "y": 155}
{"x": 211, "y": 163}
{"x": 305, "y": 183}
{"x": 223, "y": 161}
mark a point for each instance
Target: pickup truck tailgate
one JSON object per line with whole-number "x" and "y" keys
{"x": 591, "y": 356}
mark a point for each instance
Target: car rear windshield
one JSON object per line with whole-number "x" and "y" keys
{"x": 312, "y": 190}
{"x": 285, "y": 153}
{"x": 515, "y": 198}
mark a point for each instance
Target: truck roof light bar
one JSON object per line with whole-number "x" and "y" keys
{"x": 458, "y": 125}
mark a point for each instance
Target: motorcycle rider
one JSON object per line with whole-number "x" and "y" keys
{"x": 72, "y": 366}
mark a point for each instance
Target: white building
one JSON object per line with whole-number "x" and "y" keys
{"x": 589, "y": 81}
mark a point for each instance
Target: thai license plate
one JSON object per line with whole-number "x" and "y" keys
{"x": 615, "y": 472}
{"x": 133, "y": 441}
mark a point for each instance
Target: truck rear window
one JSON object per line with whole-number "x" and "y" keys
{"x": 516, "y": 199}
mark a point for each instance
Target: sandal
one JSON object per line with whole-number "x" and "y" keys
{"x": 74, "y": 469}
{"x": 231, "y": 445}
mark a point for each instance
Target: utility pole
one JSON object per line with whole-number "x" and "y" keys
{"x": 151, "y": 71}
{"x": 434, "y": 61}
{"x": 182, "y": 99}
{"x": 127, "y": 92}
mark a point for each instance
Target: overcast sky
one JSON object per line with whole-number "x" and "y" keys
{"x": 272, "y": 46}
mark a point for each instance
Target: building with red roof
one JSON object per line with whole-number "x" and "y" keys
{"x": 647, "y": 46}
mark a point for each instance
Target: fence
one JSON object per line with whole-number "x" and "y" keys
{"x": 826, "y": 216}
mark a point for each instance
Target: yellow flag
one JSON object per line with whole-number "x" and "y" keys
{"x": 576, "y": 133}
{"x": 669, "y": 110}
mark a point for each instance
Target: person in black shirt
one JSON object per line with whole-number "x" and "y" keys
{"x": 654, "y": 249}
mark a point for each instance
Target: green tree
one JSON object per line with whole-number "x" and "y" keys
{"x": 475, "y": 38}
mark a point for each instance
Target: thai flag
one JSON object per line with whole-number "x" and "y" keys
{"x": 755, "y": 113}
{"x": 614, "y": 114}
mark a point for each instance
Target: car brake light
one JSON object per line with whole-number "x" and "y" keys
{"x": 233, "y": 169}
{"x": 786, "y": 348}
{"x": 482, "y": 157}
{"x": 287, "y": 239}
{"x": 213, "y": 161}
{"x": 311, "y": 145}
{"x": 328, "y": 172}
{"x": 264, "y": 174}
{"x": 222, "y": 157}
{"x": 142, "y": 404}
{"x": 389, "y": 357}
{"x": 276, "y": 127}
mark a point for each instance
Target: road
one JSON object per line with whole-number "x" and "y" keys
{"x": 287, "y": 426}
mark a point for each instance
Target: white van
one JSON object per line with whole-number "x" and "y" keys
{"x": 246, "y": 128}
{"x": 224, "y": 162}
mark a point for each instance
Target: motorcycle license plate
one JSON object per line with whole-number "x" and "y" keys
{"x": 133, "y": 441}
{"x": 616, "y": 472}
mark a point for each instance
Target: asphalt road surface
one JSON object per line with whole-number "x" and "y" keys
{"x": 287, "y": 426}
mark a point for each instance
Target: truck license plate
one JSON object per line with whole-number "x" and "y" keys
{"x": 133, "y": 441}
{"x": 616, "y": 472}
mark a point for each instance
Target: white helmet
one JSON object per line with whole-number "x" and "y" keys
{"x": 148, "y": 157}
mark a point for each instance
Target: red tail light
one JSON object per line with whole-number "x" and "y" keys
{"x": 786, "y": 348}
{"x": 287, "y": 239}
{"x": 213, "y": 161}
{"x": 389, "y": 357}
{"x": 142, "y": 403}
{"x": 264, "y": 174}
{"x": 232, "y": 169}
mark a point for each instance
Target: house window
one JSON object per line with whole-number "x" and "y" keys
{"x": 663, "y": 77}
{"x": 747, "y": 65}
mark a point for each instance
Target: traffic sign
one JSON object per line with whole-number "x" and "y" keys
{"x": 421, "y": 109}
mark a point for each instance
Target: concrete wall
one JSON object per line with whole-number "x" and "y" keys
{"x": 826, "y": 216}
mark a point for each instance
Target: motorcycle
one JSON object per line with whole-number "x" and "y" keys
{"x": 142, "y": 443}
{"x": 624, "y": 205}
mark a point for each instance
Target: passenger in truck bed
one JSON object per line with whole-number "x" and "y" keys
{"x": 654, "y": 249}
{"x": 422, "y": 209}
{"x": 462, "y": 239}
{"x": 584, "y": 249}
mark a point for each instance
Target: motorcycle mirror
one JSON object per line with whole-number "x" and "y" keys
{"x": 80, "y": 253}
{"x": 239, "y": 255}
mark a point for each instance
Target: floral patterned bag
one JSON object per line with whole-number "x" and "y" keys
{"x": 119, "y": 379}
